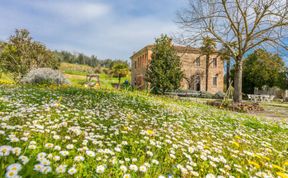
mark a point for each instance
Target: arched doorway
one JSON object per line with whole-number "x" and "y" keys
{"x": 197, "y": 83}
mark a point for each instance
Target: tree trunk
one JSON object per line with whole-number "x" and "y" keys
{"x": 237, "y": 95}
{"x": 228, "y": 74}
{"x": 207, "y": 72}
{"x": 119, "y": 80}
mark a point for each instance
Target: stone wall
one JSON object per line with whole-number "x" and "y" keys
{"x": 190, "y": 67}
{"x": 140, "y": 62}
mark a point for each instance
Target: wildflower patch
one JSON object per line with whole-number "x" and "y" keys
{"x": 72, "y": 132}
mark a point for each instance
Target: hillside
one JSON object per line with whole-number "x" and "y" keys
{"x": 76, "y": 74}
{"x": 98, "y": 133}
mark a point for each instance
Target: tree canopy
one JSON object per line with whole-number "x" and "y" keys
{"x": 120, "y": 69}
{"x": 79, "y": 58}
{"x": 21, "y": 54}
{"x": 164, "y": 72}
{"x": 263, "y": 68}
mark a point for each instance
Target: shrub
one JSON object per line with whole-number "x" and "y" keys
{"x": 44, "y": 76}
{"x": 106, "y": 71}
{"x": 219, "y": 95}
{"x": 126, "y": 86}
{"x": 205, "y": 94}
{"x": 97, "y": 70}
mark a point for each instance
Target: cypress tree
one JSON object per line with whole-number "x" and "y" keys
{"x": 164, "y": 71}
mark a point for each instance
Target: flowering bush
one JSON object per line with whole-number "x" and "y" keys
{"x": 6, "y": 82}
{"x": 69, "y": 132}
{"x": 44, "y": 76}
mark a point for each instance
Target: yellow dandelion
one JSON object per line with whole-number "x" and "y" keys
{"x": 285, "y": 163}
{"x": 256, "y": 165}
{"x": 266, "y": 158}
{"x": 150, "y": 132}
{"x": 236, "y": 144}
{"x": 282, "y": 174}
{"x": 258, "y": 156}
{"x": 277, "y": 167}
{"x": 206, "y": 147}
{"x": 237, "y": 137}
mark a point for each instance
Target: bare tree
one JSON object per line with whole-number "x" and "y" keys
{"x": 249, "y": 24}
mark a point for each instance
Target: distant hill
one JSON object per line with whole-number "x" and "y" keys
{"x": 79, "y": 58}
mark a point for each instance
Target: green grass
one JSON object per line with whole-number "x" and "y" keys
{"x": 73, "y": 72}
{"x": 76, "y": 69}
{"x": 158, "y": 135}
{"x": 106, "y": 81}
{"x": 76, "y": 74}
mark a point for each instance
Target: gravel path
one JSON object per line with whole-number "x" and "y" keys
{"x": 274, "y": 111}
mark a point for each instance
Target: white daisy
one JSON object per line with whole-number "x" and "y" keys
{"x": 72, "y": 170}
{"x": 100, "y": 169}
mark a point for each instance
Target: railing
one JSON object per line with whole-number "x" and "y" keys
{"x": 261, "y": 98}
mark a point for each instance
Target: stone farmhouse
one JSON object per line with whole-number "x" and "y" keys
{"x": 193, "y": 66}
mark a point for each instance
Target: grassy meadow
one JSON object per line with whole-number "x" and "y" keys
{"x": 77, "y": 75}
{"x": 74, "y": 132}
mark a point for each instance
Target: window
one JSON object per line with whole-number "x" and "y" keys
{"x": 145, "y": 59}
{"x": 215, "y": 80}
{"x": 135, "y": 64}
{"x": 197, "y": 61}
{"x": 214, "y": 62}
{"x": 139, "y": 62}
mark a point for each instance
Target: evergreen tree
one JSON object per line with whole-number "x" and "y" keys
{"x": 81, "y": 59}
{"x": 263, "y": 68}
{"x": 164, "y": 72}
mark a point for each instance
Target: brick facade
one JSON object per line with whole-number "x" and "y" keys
{"x": 193, "y": 66}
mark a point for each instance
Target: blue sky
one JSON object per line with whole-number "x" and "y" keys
{"x": 105, "y": 28}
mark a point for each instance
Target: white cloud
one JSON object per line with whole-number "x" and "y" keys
{"x": 115, "y": 39}
{"x": 73, "y": 11}
{"x": 90, "y": 27}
